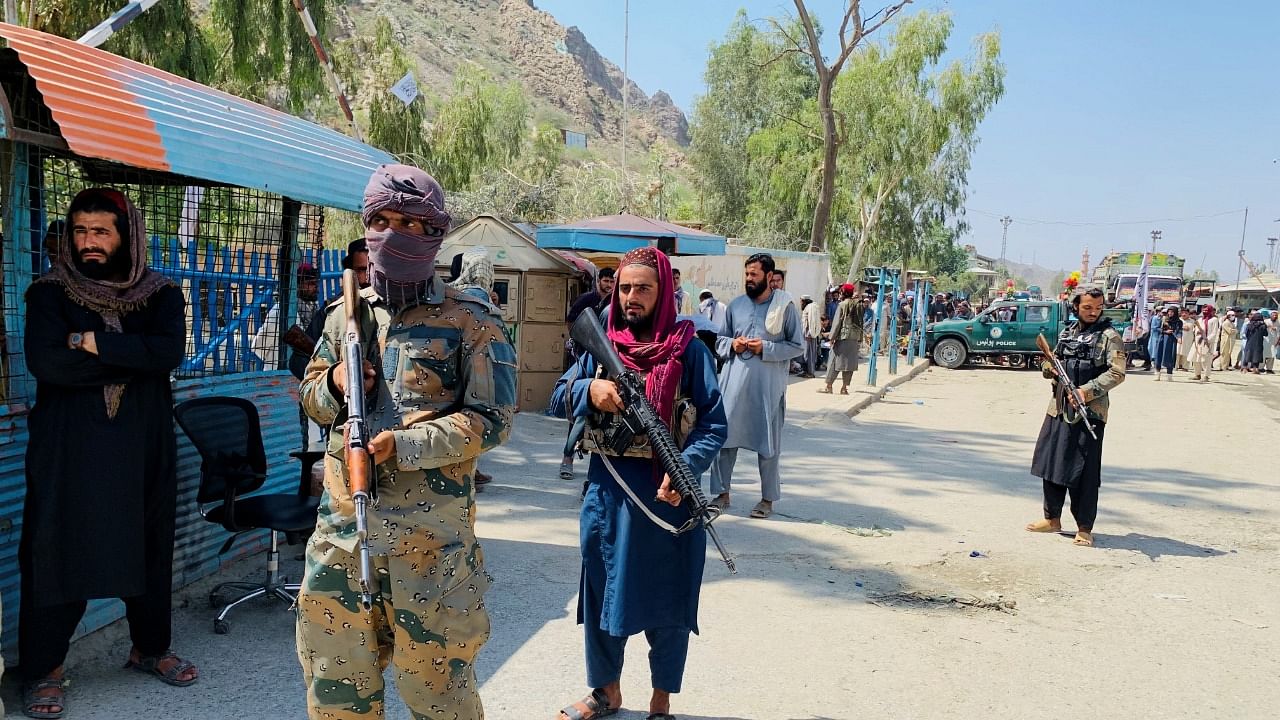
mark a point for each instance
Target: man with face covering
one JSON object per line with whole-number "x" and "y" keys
{"x": 636, "y": 575}
{"x": 440, "y": 385}
{"x": 103, "y": 332}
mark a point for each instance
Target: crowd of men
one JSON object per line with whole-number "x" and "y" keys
{"x": 1246, "y": 341}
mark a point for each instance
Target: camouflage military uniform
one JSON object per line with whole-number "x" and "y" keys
{"x": 446, "y": 387}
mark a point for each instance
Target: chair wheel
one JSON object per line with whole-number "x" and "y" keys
{"x": 221, "y": 627}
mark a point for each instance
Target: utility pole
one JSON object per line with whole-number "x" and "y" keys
{"x": 1155, "y": 238}
{"x": 1004, "y": 240}
{"x": 1271, "y": 254}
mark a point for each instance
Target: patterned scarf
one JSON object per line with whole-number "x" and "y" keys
{"x": 401, "y": 264}
{"x": 661, "y": 357}
{"x": 110, "y": 299}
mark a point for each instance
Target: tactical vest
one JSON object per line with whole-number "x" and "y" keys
{"x": 1084, "y": 356}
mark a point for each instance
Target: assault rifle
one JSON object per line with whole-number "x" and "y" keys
{"x": 639, "y": 417}
{"x": 358, "y": 459}
{"x": 1074, "y": 398}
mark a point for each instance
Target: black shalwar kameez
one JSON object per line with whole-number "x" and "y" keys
{"x": 101, "y": 491}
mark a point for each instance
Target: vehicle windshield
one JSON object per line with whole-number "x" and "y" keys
{"x": 1165, "y": 289}
{"x": 1001, "y": 313}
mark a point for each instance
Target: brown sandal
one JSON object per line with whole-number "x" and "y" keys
{"x": 32, "y": 699}
{"x": 596, "y": 705}
{"x": 151, "y": 666}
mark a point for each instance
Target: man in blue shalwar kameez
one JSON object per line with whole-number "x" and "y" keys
{"x": 636, "y": 575}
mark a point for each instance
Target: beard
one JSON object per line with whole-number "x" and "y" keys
{"x": 638, "y": 324}
{"x": 755, "y": 290}
{"x": 117, "y": 266}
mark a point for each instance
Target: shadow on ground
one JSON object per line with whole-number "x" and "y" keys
{"x": 1154, "y": 547}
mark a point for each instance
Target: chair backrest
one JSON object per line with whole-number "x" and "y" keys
{"x": 227, "y": 434}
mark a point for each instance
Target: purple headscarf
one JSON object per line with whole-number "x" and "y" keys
{"x": 401, "y": 263}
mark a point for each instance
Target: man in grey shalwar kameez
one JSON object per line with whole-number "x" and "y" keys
{"x": 762, "y": 333}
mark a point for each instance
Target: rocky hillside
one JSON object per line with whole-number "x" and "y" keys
{"x": 568, "y": 82}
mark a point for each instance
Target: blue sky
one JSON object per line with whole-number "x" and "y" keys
{"x": 1114, "y": 112}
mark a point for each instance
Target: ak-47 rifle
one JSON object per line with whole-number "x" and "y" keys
{"x": 1074, "y": 398}
{"x": 640, "y": 417}
{"x": 358, "y": 459}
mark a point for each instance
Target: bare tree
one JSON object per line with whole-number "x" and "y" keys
{"x": 853, "y": 28}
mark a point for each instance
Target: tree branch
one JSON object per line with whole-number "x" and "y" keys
{"x": 854, "y": 13}
{"x": 807, "y": 22}
{"x": 779, "y": 56}
{"x": 796, "y": 44}
{"x": 812, "y": 133}
{"x": 861, "y": 29}
{"x": 888, "y": 12}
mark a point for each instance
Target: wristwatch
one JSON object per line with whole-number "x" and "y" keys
{"x": 76, "y": 340}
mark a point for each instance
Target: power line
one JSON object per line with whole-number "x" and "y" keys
{"x": 1090, "y": 223}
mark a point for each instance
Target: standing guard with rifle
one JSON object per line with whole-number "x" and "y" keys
{"x": 415, "y": 380}
{"x": 1088, "y": 362}
{"x": 655, "y": 423}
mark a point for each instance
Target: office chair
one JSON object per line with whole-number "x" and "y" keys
{"x": 228, "y": 436}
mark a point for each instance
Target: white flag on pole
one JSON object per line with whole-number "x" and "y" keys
{"x": 406, "y": 89}
{"x": 1140, "y": 320}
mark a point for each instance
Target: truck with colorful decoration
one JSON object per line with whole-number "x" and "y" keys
{"x": 1118, "y": 273}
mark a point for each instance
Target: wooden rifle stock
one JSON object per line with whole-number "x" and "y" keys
{"x": 298, "y": 339}
{"x": 359, "y": 467}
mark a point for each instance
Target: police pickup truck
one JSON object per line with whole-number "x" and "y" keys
{"x": 1008, "y": 328}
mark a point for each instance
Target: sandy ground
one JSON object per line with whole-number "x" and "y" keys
{"x": 863, "y": 598}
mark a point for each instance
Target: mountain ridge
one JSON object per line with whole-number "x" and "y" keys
{"x": 568, "y": 82}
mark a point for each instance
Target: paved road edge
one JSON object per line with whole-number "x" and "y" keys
{"x": 874, "y": 397}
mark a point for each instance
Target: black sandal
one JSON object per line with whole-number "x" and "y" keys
{"x": 597, "y": 703}
{"x": 151, "y": 666}
{"x": 31, "y": 701}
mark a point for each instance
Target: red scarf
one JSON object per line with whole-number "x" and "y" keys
{"x": 661, "y": 358}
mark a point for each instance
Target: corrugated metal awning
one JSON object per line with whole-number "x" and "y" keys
{"x": 116, "y": 109}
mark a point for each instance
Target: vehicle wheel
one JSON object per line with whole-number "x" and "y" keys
{"x": 221, "y": 627}
{"x": 950, "y": 353}
{"x": 1018, "y": 362}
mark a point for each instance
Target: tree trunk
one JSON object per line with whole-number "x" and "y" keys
{"x": 830, "y": 144}
{"x": 859, "y": 249}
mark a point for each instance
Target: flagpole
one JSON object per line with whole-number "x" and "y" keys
{"x": 325, "y": 62}
{"x": 626, "y": 47}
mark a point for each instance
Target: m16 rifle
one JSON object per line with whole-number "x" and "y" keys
{"x": 1073, "y": 399}
{"x": 358, "y": 459}
{"x": 639, "y": 417}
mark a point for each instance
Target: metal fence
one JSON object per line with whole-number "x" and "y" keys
{"x": 232, "y": 250}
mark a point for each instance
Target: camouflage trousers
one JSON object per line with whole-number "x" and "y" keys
{"x": 428, "y": 619}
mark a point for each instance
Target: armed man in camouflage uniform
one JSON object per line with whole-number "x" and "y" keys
{"x": 440, "y": 382}
{"x": 1067, "y": 458}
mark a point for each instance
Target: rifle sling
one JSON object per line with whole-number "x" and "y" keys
{"x": 677, "y": 532}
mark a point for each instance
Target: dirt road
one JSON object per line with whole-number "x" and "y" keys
{"x": 865, "y": 598}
